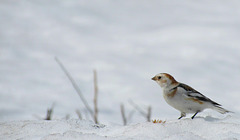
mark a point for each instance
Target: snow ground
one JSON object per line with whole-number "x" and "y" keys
{"x": 128, "y": 42}
{"x": 186, "y": 129}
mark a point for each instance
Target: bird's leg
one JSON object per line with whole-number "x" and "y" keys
{"x": 182, "y": 115}
{"x": 194, "y": 115}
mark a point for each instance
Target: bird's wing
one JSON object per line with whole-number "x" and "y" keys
{"x": 192, "y": 93}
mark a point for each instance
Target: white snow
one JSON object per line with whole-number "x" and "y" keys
{"x": 186, "y": 129}
{"x": 127, "y": 42}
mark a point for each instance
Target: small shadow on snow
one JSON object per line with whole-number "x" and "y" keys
{"x": 210, "y": 119}
{"x": 213, "y": 119}
{"x": 207, "y": 118}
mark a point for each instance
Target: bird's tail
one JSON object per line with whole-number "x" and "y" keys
{"x": 221, "y": 110}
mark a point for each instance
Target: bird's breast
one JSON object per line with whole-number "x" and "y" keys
{"x": 170, "y": 94}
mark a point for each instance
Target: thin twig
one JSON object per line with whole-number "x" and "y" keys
{"x": 149, "y": 114}
{"x": 75, "y": 86}
{"x": 141, "y": 111}
{"x": 123, "y": 115}
{"x": 49, "y": 113}
{"x": 79, "y": 114}
{"x": 95, "y": 97}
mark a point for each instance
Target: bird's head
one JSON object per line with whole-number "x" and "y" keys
{"x": 165, "y": 80}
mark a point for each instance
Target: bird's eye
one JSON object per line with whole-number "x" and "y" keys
{"x": 159, "y": 77}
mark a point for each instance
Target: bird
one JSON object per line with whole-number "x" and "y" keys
{"x": 184, "y": 98}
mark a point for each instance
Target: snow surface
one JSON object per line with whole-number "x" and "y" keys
{"x": 186, "y": 129}
{"x": 127, "y": 42}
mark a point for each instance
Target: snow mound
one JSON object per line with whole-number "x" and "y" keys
{"x": 199, "y": 128}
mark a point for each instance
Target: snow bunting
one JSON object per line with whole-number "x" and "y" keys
{"x": 184, "y": 98}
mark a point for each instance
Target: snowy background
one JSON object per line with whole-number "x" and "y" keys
{"x": 127, "y": 42}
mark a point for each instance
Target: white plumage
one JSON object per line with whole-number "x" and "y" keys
{"x": 184, "y": 98}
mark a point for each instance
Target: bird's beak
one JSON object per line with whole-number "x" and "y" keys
{"x": 154, "y": 78}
